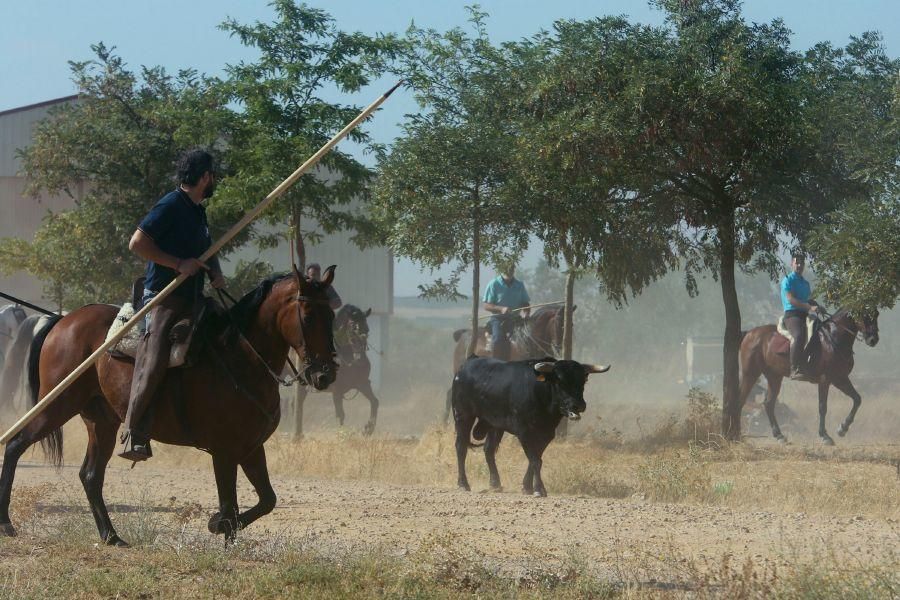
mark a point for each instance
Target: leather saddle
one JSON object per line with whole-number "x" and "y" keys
{"x": 781, "y": 341}
{"x": 181, "y": 334}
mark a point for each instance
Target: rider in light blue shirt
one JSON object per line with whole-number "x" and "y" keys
{"x": 503, "y": 294}
{"x": 796, "y": 301}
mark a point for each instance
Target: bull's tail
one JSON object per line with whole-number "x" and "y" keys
{"x": 479, "y": 432}
{"x": 52, "y": 443}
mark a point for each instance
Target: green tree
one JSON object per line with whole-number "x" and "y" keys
{"x": 285, "y": 116}
{"x": 118, "y": 142}
{"x": 712, "y": 125}
{"x": 437, "y": 199}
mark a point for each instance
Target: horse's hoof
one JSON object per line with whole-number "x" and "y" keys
{"x": 827, "y": 441}
{"x": 783, "y": 440}
{"x": 7, "y": 529}
{"x": 369, "y": 429}
{"x": 495, "y": 488}
{"x": 842, "y": 431}
{"x": 116, "y": 541}
{"x": 528, "y": 492}
{"x": 540, "y": 493}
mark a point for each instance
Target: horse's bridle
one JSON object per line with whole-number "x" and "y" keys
{"x": 301, "y": 376}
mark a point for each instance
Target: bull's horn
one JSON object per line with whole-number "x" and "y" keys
{"x": 544, "y": 367}
{"x": 573, "y": 416}
{"x": 596, "y": 368}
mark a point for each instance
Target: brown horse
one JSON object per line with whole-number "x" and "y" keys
{"x": 226, "y": 403}
{"x": 830, "y": 364}
{"x": 351, "y": 336}
{"x": 538, "y": 336}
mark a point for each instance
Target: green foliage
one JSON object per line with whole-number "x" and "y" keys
{"x": 440, "y": 182}
{"x": 112, "y": 152}
{"x": 284, "y": 116}
{"x": 858, "y": 257}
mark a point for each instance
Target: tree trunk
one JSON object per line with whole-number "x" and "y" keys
{"x": 731, "y": 409}
{"x": 569, "y": 313}
{"x": 299, "y": 247}
{"x": 476, "y": 275}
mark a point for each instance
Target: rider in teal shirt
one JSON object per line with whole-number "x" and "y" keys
{"x": 503, "y": 294}
{"x": 796, "y": 301}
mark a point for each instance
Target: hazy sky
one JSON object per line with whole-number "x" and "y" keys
{"x": 40, "y": 36}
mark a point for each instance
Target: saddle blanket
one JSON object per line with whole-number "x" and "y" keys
{"x": 782, "y": 345}
{"x": 127, "y": 346}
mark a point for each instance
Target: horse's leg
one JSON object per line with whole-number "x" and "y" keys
{"x": 366, "y": 390}
{"x": 337, "y": 396}
{"x": 463, "y": 435}
{"x": 254, "y": 467}
{"x": 491, "y": 443}
{"x": 226, "y": 520}
{"x": 299, "y": 399}
{"x": 774, "y": 388}
{"x": 45, "y": 423}
{"x": 845, "y": 386}
{"x": 823, "y": 409}
{"x": 101, "y": 443}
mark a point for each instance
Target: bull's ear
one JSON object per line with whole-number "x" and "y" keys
{"x": 574, "y": 307}
{"x": 329, "y": 275}
{"x": 368, "y": 312}
{"x": 588, "y": 369}
{"x": 544, "y": 367}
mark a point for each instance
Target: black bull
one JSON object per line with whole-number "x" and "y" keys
{"x": 526, "y": 398}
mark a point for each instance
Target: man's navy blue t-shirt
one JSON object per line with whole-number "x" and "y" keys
{"x": 179, "y": 227}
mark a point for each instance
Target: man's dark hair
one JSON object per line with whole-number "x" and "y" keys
{"x": 315, "y": 266}
{"x": 799, "y": 256}
{"x": 192, "y": 164}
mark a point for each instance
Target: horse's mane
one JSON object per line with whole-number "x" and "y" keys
{"x": 247, "y": 307}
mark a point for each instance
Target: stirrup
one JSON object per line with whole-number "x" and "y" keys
{"x": 133, "y": 450}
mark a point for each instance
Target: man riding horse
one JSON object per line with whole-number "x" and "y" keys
{"x": 503, "y": 295}
{"x": 797, "y": 304}
{"x": 171, "y": 238}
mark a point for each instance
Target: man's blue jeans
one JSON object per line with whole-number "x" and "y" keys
{"x": 500, "y": 330}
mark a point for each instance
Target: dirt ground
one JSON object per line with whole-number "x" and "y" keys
{"x": 507, "y": 530}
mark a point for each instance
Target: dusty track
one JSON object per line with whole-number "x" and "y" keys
{"x": 507, "y": 530}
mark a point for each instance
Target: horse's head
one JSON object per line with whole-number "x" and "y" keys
{"x": 353, "y": 328}
{"x": 308, "y": 327}
{"x": 547, "y": 325}
{"x": 868, "y": 325}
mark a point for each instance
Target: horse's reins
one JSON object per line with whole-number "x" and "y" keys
{"x": 285, "y": 381}
{"x": 829, "y": 318}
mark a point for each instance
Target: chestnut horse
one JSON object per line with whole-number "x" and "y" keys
{"x": 830, "y": 364}
{"x": 226, "y": 402}
{"x": 351, "y": 337}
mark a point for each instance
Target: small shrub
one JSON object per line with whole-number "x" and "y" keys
{"x": 673, "y": 478}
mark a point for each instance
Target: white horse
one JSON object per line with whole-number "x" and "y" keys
{"x": 14, "y": 373}
{"x": 11, "y": 316}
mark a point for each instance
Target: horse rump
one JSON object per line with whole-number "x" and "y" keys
{"x": 52, "y": 443}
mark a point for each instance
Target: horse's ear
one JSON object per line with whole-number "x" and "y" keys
{"x": 300, "y": 279}
{"x": 368, "y": 312}
{"x": 329, "y": 275}
{"x": 574, "y": 306}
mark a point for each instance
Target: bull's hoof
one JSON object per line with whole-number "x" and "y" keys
{"x": 826, "y": 440}
{"x": 528, "y": 491}
{"x": 369, "y": 429}
{"x": 540, "y": 493}
{"x": 217, "y": 525}
{"x": 464, "y": 487}
{"x": 842, "y": 431}
{"x": 7, "y": 529}
{"x": 115, "y": 540}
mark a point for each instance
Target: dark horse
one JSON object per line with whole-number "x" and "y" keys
{"x": 830, "y": 364}
{"x": 351, "y": 337}
{"x": 538, "y": 336}
{"x": 226, "y": 403}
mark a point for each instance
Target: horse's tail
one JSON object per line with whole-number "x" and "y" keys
{"x": 52, "y": 443}
{"x": 458, "y": 334}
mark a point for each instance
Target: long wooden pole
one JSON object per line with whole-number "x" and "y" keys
{"x": 246, "y": 220}
{"x": 525, "y": 308}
